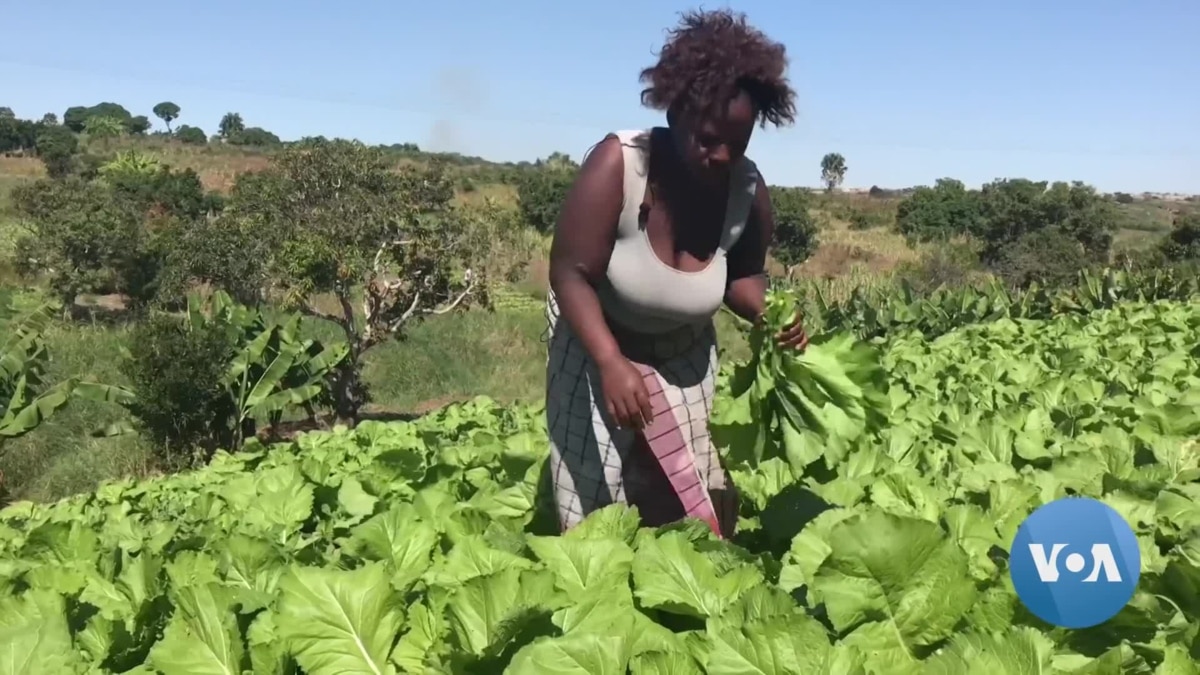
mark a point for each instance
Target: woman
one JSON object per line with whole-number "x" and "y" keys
{"x": 659, "y": 230}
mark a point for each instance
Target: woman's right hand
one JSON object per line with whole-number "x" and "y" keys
{"x": 625, "y": 394}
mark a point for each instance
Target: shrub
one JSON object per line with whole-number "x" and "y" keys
{"x": 541, "y": 193}
{"x": 56, "y": 146}
{"x": 939, "y": 213}
{"x": 178, "y": 372}
{"x": 191, "y": 135}
{"x": 949, "y": 265}
{"x": 795, "y": 230}
{"x": 1183, "y": 242}
{"x": 1049, "y": 256}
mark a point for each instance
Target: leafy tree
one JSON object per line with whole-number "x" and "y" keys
{"x": 191, "y": 135}
{"x": 154, "y": 188}
{"x": 254, "y": 136}
{"x": 1012, "y": 208}
{"x": 541, "y": 192}
{"x": 1123, "y": 198}
{"x": 833, "y": 170}
{"x": 76, "y": 117}
{"x": 49, "y": 120}
{"x": 84, "y": 239}
{"x": 1049, "y": 256}
{"x": 231, "y": 125}
{"x": 138, "y": 125}
{"x": 7, "y": 112}
{"x": 225, "y": 252}
{"x": 939, "y": 213}
{"x": 344, "y": 222}
{"x": 795, "y": 237}
{"x": 56, "y": 147}
{"x": 167, "y": 112}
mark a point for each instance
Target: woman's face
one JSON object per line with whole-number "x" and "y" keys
{"x": 710, "y": 145}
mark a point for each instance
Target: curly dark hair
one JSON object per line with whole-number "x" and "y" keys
{"x": 709, "y": 58}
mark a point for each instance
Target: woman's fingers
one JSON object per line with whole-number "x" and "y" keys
{"x": 793, "y": 337}
{"x": 644, "y": 406}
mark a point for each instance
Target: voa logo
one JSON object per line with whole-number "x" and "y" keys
{"x": 1102, "y": 560}
{"x": 1075, "y": 562}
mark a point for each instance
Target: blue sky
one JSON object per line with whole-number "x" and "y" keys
{"x": 1102, "y": 91}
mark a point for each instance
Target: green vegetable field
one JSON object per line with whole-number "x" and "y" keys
{"x": 875, "y": 524}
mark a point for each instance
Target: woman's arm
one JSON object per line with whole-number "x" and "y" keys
{"x": 746, "y": 288}
{"x": 583, "y": 243}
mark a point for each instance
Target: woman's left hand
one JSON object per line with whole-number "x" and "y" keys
{"x": 793, "y": 336}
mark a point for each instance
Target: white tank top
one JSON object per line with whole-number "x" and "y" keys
{"x": 645, "y": 294}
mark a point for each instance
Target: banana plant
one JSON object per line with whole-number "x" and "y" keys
{"x": 276, "y": 369}
{"x": 27, "y": 399}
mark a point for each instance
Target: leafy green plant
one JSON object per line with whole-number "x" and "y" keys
{"x": 800, "y": 406}
{"x": 423, "y": 546}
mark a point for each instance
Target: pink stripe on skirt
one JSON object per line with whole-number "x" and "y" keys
{"x": 674, "y": 455}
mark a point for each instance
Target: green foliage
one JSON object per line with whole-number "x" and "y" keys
{"x": 137, "y": 125}
{"x": 342, "y": 221}
{"x": 1123, "y": 198}
{"x": 873, "y": 313}
{"x": 248, "y": 370}
{"x": 254, "y": 136}
{"x": 26, "y": 398}
{"x": 159, "y": 189}
{"x": 56, "y": 147}
{"x": 1183, "y": 242}
{"x": 84, "y": 239}
{"x": 167, "y": 112}
{"x": 1012, "y": 218}
{"x": 795, "y": 237}
{"x": 132, "y": 164}
{"x": 102, "y": 127}
{"x": 541, "y": 193}
{"x": 177, "y": 372}
{"x": 428, "y": 546}
{"x": 231, "y": 124}
{"x": 1010, "y": 209}
{"x": 1049, "y": 257}
{"x": 939, "y": 213}
{"x": 833, "y": 170}
{"x": 228, "y": 253}
{"x": 191, "y": 135}
{"x": 76, "y": 117}
{"x": 949, "y": 265}
{"x": 18, "y": 134}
